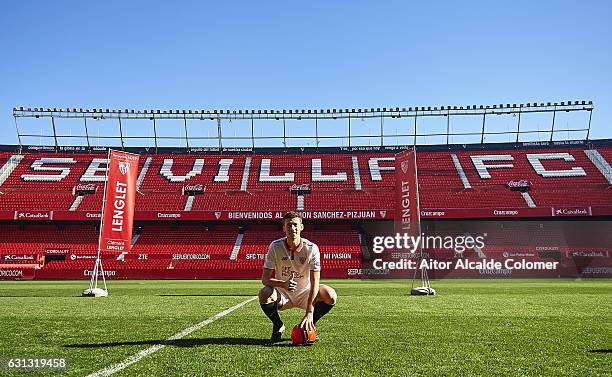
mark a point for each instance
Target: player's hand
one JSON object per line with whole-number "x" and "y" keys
{"x": 307, "y": 323}
{"x": 290, "y": 284}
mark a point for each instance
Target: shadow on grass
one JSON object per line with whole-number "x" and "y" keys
{"x": 40, "y": 296}
{"x": 206, "y": 295}
{"x": 187, "y": 343}
{"x": 601, "y": 351}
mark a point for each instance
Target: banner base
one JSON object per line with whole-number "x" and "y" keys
{"x": 422, "y": 291}
{"x": 94, "y": 292}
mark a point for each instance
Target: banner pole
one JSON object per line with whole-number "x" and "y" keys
{"x": 418, "y": 209}
{"x": 94, "y": 278}
{"x": 425, "y": 288}
{"x": 103, "y": 277}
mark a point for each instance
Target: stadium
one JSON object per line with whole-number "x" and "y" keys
{"x": 208, "y": 205}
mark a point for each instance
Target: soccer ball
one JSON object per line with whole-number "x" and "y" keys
{"x": 303, "y": 337}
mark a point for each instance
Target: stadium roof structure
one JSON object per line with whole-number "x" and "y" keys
{"x": 304, "y": 127}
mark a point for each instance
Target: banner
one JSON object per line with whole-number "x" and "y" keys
{"x": 407, "y": 214}
{"x": 357, "y": 214}
{"x": 571, "y": 211}
{"x": 116, "y": 232}
{"x": 33, "y": 215}
{"x": 18, "y": 273}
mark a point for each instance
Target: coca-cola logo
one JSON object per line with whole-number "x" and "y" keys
{"x": 193, "y": 189}
{"x": 88, "y": 186}
{"x": 519, "y": 185}
{"x": 85, "y": 188}
{"x": 300, "y": 187}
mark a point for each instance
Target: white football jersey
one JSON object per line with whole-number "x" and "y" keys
{"x": 301, "y": 262}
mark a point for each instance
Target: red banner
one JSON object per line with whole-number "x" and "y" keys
{"x": 119, "y": 202}
{"x": 473, "y": 213}
{"x": 17, "y": 273}
{"x": 406, "y": 194}
{"x": 361, "y": 214}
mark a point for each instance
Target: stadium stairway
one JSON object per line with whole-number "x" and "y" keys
{"x": 600, "y": 163}
{"x": 189, "y": 203}
{"x": 8, "y": 167}
{"x": 365, "y": 250}
{"x": 236, "y": 248}
{"x": 77, "y": 202}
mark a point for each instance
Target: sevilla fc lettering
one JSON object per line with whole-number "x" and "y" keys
{"x": 341, "y": 169}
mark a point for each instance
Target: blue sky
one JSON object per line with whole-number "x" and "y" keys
{"x": 295, "y": 55}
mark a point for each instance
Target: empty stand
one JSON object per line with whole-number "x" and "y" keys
{"x": 559, "y": 177}
{"x": 48, "y": 238}
{"x": 184, "y": 239}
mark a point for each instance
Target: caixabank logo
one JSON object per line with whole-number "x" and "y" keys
{"x": 572, "y": 211}
{"x": 38, "y": 215}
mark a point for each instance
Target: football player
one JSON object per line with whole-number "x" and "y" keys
{"x": 291, "y": 273}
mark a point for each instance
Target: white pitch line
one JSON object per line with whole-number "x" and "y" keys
{"x": 136, "y": 357}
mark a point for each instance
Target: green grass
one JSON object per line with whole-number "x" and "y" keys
{"x": 472, "y": 328}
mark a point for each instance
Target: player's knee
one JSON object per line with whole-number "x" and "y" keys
{"x": 328, "y": 295}
{"x": 265, "y": 294}
{"x": 333, "y": 297}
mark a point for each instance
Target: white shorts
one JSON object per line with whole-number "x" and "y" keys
{"x": 288, "y": 300}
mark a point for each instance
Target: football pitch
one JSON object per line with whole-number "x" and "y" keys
{"x": 471, "y": 328}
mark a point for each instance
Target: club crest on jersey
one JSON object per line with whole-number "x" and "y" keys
{"x": 124, "y": 167}
{"x": 302, "y": 260}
